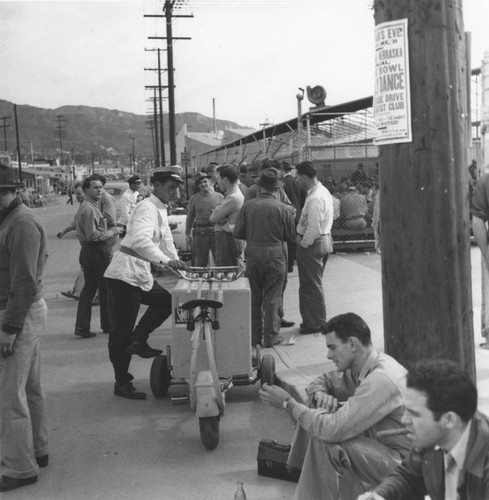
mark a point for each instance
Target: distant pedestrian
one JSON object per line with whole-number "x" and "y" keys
{"x": 129, "y": 199}
{"x": 313, "y": 247}
{"x": 93, "y": 232}
{"x": 266, "y": 224}
{"x": 131, "y": 282}
{"x": 23, "y": 315}
{"x": 69, "y": 201}
{"x": 199, "y": 230}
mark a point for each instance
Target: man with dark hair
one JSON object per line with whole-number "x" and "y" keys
{"x": 199, "y": 230}
{"x": 450, "y": 455}
{"x": 23, "y": 315}
{"x": 314, "y": 243}
{"x": 94, "y": 231}
{"x": 337, "y": 443}
{"x": 224, "y": 216}
{"x": 148, "y": 239}
{"x": 266, "y": 224}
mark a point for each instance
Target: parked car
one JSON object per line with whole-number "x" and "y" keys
{"x": 116, "y": 189}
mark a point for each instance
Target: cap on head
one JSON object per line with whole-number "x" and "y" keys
{"x": 200, "y": 176}
{"x": 134, "y": 179}
{"x": 269, "y": 179}
{"x": 9, "y": 178}
{"x": 165, "y": 173}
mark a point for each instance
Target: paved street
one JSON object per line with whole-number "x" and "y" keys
{"x": 104, "y": 447}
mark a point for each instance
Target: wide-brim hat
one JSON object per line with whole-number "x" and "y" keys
{"x": 163, "y": 173}
{"x": 9, "y": 178}
{"x": 269, "y": 179}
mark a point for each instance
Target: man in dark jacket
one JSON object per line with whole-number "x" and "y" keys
{"x": 266, "y": 224}
{"x": 450, "y": 455}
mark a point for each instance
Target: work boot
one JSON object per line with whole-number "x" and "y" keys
{"x": 286, "y": 324}
{"x": 276, "y": 340}
{"x": 12, "y": 483}
{"x": 143, "y": 350}
{"x": 85, "y": 335}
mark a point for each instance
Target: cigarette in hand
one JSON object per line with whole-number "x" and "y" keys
{"x": 392, "y": 432}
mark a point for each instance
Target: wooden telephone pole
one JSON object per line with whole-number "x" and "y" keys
{"x": 424, "y": 216}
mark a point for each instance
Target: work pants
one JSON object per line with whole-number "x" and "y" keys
{"x": 23, "y": 428}
{"x": 339, "y": 471}
{"x": 126, "y": 302}
{"x": 94, "y": 259}
{"x": 311, "y": 262}
{"x": 228, "y": 249}
{"x": 266, "y": 268}
{"x": 204, "y": 241}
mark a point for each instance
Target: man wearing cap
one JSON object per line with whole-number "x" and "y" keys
{"x": 353, "y": 209}
{"x": 266, "y": 224}
{"x": 228, "y": 249}
{"x": 23, "y": 315}
{"x": 199, "y": 230}
{"x": 129, "y": 199}
{"x": 148, "y": 239}
{"x": 313, "y": 247}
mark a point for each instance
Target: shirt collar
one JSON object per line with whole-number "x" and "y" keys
{"x": 367, "y": 366}
{"x": 157, "y": 201}
{"x": 314, "y": 188}
{"x": 459, "y": 451}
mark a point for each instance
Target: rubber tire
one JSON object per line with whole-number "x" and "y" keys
{"x": 209, "y": 431}
{"x": 160, "y": 376}
{"x": 267, "y": 369}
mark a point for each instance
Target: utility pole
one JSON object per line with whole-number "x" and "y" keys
{"x": 426, "y": 276}
{"x": 155, "y": 121}
{"x": 168, "y": 14}
{"x": 151, "y": 126}
{"x": 4, "y": 126}
{"x": 18, "y": 141}
{"x": 133, "y": 162}
{"x": 61, "y": 134}
{"x": 160, "y": 88}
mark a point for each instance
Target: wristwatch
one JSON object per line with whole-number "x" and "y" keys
{"x": 285, "y": 403}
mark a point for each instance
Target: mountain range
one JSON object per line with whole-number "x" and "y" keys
{"x": 89, "y": 132}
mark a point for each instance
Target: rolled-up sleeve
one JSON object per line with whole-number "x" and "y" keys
{"x": 480, "y": 199}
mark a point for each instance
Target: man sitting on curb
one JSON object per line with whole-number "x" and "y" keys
{"x": 336, "y": 443}
{"x": 450, "y": 455}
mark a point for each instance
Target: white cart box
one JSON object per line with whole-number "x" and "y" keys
{"x": 232, "y": 342}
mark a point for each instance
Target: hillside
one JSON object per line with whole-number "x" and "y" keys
{"x": 105, "y": 133}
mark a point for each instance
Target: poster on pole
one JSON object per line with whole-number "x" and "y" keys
{"x": 392, "y": 98}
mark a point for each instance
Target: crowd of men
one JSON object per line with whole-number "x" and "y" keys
{"x": 370, "y": 429}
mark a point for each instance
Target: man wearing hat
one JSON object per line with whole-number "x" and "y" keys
{"x": 23, "y": 315}
{"x": 129, "y": 199}
{"x": 266, "y": 224}
{"x": 353, "y": 209}
{"x": 148, "y": 239}
{"x": 199, "y": 230}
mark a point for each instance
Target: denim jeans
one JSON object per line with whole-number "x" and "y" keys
{"x": 23, "y": 428}
{"x": 203, "y": 242}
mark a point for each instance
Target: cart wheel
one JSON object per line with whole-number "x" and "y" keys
{"x": 209, "y": 431}
{"x": 267, "y": 369}
{"x": 160, "y": 376}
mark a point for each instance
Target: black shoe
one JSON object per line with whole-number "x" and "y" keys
{"x": 43, "y": 461}
{"x": 12, "y": 483}
{"x": 85, "y": 335}
{"x": 143, "y": 350}
{"x": 286, "y": 324}
{"x": 275, "y": 341}
{"x": 128, "y": 391}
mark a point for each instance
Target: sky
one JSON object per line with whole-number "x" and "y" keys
{"x": 251, "y": 56}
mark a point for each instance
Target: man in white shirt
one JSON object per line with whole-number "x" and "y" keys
{"x": 129, "y": 199}
{"x": 148, "y": 239}
{"x": 450, "y": 455}
{"x": 313, "y": 246}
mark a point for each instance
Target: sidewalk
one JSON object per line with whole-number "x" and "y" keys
{"x": 353, "y": 284}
